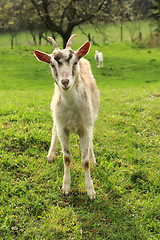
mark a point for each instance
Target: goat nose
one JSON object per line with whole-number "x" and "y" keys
{"x": 65, "y": 82}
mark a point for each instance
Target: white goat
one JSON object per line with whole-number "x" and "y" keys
{"x": 75, "y": 106}
{"x": 99, "y": 58}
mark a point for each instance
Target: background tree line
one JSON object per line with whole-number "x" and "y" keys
{"x": 61, "y": 17}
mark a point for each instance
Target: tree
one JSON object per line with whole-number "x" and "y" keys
{"x": 103, "y": 17}
{"x": 142, "y": 7}
{"x": 155, "y": 14}
{"x": 121, "y": 12}
{"x": 140, "y": 10}
{"x": 134, "y": 15}
{"x": 131, "y": 11}
{"x": 62, "y": 16}
{"x": 32, "y": 21}
{"x": 10, "y": 14}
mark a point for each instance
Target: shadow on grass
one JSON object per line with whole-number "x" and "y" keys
{"x": 106, "y": 217}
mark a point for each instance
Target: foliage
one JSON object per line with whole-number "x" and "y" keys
{"x": 10, "y": 14}
{"x": 61, "y": 17}
{"x": 33, "y": 21}
{"x": 126, "y": 145}
{"x": 155, "y": 13}
{"x": 142, "y": 7}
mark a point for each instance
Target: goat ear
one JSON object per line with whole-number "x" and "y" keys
{"x": 83, "y": 50}
{"x": 44, "y": 57}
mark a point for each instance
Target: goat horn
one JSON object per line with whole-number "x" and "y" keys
{"x": 53, "y": 42}
{"x": 68, "y": 45}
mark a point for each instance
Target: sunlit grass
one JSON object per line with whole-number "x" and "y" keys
{"x": 126, "y": 145}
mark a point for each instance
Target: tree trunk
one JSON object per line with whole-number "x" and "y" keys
{"x": 46, "y": 38}
{"x": 34, "y": 39}
{"x": 66, "y": 35}
{"x": 151, "y": 35}
{"x": 12, "y": 41}
{"x": 140, "y": 33}
{"x": 65, "y": 39}
{"x": 68, "y": 16}
{"x": 40, "y": 39}
{"x": 121, "y": 30}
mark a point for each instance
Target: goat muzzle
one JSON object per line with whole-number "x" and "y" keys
{"x": 65, "y": 82}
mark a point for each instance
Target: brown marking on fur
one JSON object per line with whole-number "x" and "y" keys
{"x": 74, "y": 68}
{"x": 66, "y": 131}
{"x": 86, "y": 165}
{"x": 67, "y": 161}
{"x": 80, "y": 133}
{"x": 67, "y": 151}
{"x": 84, "y": 96}
{"x": 57, "y": 57}
{"x": 69, "y": 57}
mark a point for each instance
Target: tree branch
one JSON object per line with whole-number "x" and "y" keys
{"x": 89, "y": 16}
{"x": 46, "y": 17}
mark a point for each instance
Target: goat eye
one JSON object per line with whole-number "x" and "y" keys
{"x": 52, "y": 66}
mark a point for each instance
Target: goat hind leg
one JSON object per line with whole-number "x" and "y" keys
{"x": 102, "y": 63}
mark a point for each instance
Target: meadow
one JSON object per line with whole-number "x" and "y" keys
{"x": 126, "y": 146}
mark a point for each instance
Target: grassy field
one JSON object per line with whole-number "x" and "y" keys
{"x": 126, "y": 145}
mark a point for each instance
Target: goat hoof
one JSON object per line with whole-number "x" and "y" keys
{"x": 66, "y": 194}
{"x": 66, "y": 191}
{"x": 92, "y": 195}
{"x": 50, "y": 158}
{"x": 92, "y": 198}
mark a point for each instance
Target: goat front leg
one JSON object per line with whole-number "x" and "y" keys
{"x": 85, "y": 140}
{"x": 52, "y": 150}
{"x": 67, "y": 158}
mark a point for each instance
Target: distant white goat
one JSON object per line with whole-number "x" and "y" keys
{"x": 75, "y": 106}
{"x": 99, "y": 58}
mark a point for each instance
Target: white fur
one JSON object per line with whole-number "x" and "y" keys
{"x": 99, "y": 58}
{"x": 75, "y": 108}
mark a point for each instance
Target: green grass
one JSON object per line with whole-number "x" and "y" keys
{"x": 126, "y": 145}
